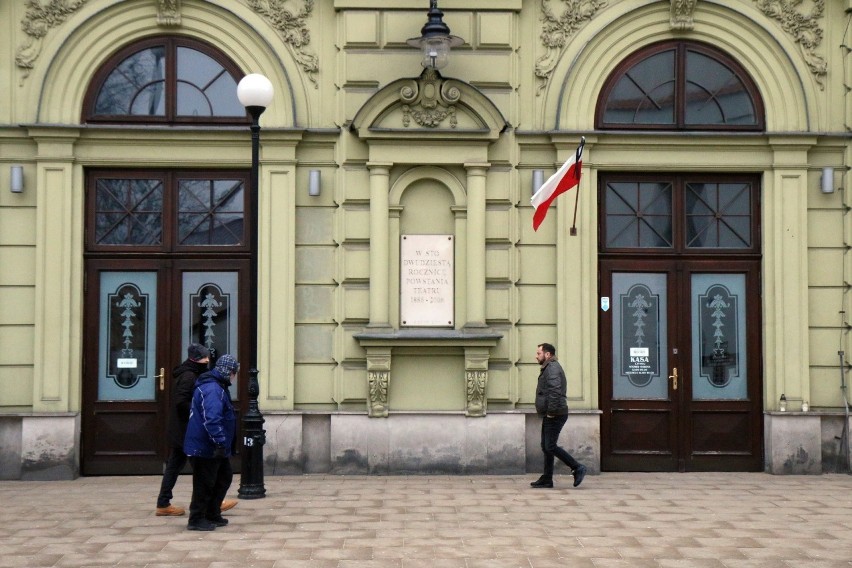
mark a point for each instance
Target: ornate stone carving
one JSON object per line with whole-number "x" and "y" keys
{"x": 429, "y": 99}
{"x": 168, "y": 12}
{"x": 476, "y": 401}
{"x": 557, "y": 31}
{"x": 293, "y": 29}
{"x": 803, "y": 27}
{"x": 378, "y": 403}
{"x": 38, "y": 20}
{"x": 682, "y": 13}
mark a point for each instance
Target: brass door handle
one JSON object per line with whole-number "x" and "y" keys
{"x": 673, "y": 377}
{"x": 162, "y": 377}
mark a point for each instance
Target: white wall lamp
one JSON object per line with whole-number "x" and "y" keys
{"x": 537, "y": 180}
{"x": 314, "y": 183}
{"x": 826, "y": 183}
{"x": 16, "y": 179}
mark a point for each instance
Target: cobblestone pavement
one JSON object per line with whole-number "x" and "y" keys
{"x": 705, "y": 520}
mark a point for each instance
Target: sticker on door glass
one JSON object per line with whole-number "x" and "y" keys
{"x": 640, "y": 341}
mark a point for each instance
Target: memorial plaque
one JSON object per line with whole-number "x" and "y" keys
{"x": 426, "y": 283}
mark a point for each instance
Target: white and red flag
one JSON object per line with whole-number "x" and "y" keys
{"x": 564, "y": 179}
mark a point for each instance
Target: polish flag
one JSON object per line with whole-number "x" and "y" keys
{"x": 564, "y": 179}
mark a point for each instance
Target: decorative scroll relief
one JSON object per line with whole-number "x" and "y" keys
{"x": 803, "y": 27}
{"x": 682, "y": 14}
{"x": 378, "y": 403}
{"x": 476, "y": 383}
{"x": 292, "y": 27}
{"x": 429, "y": 100}
{"x": 168, "y": 12}
{"x": 557, "y": 31}
{"x": 38, "y": 20}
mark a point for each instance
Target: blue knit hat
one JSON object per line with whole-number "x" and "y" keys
{"x": 227, "y": 364}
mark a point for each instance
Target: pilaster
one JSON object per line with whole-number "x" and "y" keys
{"x": 58, "y": 274}
{"x": 475, "y": 299}
{"x": 379, "y": 246}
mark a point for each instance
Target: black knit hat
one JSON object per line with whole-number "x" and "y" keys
{"x": 197, "y": 352}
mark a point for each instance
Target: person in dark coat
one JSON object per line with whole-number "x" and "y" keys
{"x": 551, "y": 402}
{"x": 183, "y": 385}
{"x": 209, "y": 439}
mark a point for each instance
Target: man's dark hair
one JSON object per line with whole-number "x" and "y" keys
{"x": 548, "y": 348}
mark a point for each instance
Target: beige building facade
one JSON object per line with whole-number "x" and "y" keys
{"x": 700, "y": 271}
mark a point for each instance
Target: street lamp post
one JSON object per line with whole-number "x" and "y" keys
{"x": 255, "y": 93}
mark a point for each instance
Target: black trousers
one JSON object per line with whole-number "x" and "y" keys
{"x": 550, "y": 430}
{"x": 211, "y": 478}
{"x": 174, "y": 465}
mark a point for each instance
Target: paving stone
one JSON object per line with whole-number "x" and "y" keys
{"x": 634, "y": 520}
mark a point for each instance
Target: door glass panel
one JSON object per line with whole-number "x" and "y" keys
{"x": 127, "y": 329}
{"x": 129, "y": 212}
{"x": 640, "y": 332}
{"x": 718, "y": 215}
{"x": 719, "y": 337}
{"x": 210, "y": 308}
{"x": 638, "y": 214}
{"x": 210, "y": 211}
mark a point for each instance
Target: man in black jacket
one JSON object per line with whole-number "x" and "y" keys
{"x": 551, "y": 402}
{"x": 183, "y": 385}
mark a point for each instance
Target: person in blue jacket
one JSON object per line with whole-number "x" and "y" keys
{"x": 209, "y": 438}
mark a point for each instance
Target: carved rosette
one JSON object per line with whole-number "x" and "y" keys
{"x": 803, "y": 27}
{"x": 38, "y": 20}
{"x": 556, "y": 32}
{"x": 293, "y": 29}
{"x": 168, "y": 13}
{"x": 682, "y": 14}
{"x": 476, "y": 401}
{"x": 377, "y": 406}
{"x": 429, "y": 100}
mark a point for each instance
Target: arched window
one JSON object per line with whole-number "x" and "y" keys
{"x": 679, "y": 85}
{"x": 166, "y": 80}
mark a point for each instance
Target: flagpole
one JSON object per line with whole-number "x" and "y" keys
{"x": 573, "y": 231}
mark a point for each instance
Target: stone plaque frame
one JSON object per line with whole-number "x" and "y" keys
{"x": 427, "y": 281}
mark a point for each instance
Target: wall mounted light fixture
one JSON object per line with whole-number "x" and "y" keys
{"x": 314, "y": 185}
{"x": 537, "y": 180}
{"x": 826, "y": 184}
{"x": 435, "y": 40}
{"x": 16, "y": 179}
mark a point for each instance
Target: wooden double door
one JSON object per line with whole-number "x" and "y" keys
{"x": 167, "y": 264}
{"x": 679, "y": 323}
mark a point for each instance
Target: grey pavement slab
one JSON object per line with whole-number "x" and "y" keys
{"x": 691, "y": 520}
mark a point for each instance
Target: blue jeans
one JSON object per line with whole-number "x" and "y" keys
{"x": 550, "y": 430}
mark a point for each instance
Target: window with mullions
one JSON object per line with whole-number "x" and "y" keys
{"x": 162, "y": 211}
{"x": 680, "y": 86}
{"x": 166, "y": 80}
{"x": 687, "y": 214}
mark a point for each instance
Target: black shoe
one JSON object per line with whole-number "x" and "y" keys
{"x": 579, "y": 474}
{"x": 202, "y": 525}
{"x": 542, "y": 483}
{"x": 219, "y": 522}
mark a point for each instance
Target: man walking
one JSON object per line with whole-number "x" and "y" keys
{"x": 209, "y": 437}
{"x": 183, "y": 377}
{"x": 551, "y": 403}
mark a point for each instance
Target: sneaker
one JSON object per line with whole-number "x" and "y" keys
{"x": 227, "y": 504}
{"x": 542, "y": 483}
{"x": 219, "y": 521}
{"x": 579, "y": 474}
{"x": 170, "y": 511}
{"x": 202, "y": 525}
